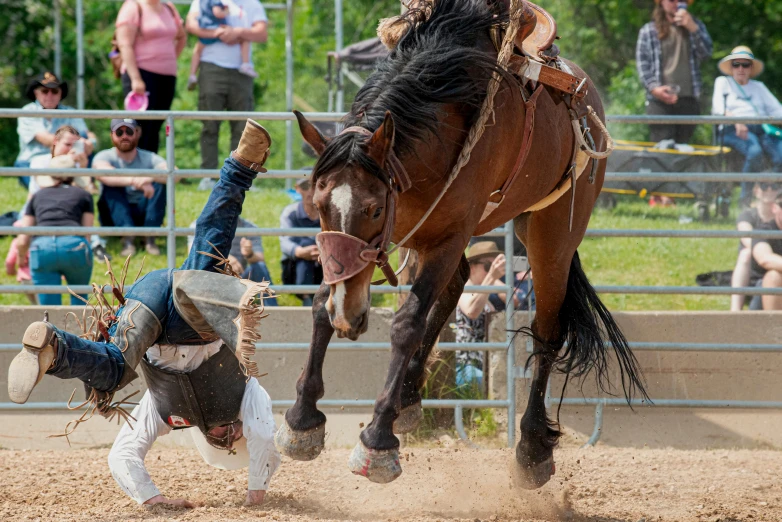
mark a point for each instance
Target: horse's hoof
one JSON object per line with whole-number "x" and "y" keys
{"x": 409, "y": 418}
{"x": 300, "y": 445}
{"x": 534, "y": 476}
{"x": 381, "y": 466}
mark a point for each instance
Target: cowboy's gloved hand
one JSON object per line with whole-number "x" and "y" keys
{"x": 254, "y": 497}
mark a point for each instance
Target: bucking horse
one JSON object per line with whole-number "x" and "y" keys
{"x": 473, "y": 120}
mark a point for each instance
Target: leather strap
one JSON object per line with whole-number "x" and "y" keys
{"x": 257, "y": 167}
{"x": 530, "y": 70}
{"x": 521, "y": 158}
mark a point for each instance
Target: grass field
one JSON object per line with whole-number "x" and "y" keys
{"x": 607, "y": 261}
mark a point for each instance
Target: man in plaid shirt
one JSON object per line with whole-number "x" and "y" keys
{"x": 668, "y": 55}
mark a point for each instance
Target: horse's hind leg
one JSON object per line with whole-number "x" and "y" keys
{"x": 303, "y": 432}
{"x": 415, "y": 378}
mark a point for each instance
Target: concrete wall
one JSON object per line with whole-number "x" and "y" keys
{"x": 676, "y": 375}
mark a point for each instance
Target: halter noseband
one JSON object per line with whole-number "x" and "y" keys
{"x": 342, "y": 255}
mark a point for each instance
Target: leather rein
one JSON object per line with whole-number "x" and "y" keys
{"x": 343, "y": 255}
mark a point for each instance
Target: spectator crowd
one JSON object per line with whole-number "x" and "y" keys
{"x": 149, "y": 37}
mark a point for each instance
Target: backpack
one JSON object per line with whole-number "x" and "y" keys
{"x": 115, "y": 57}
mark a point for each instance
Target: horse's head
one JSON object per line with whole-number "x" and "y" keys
{"x": 352, "y": 193}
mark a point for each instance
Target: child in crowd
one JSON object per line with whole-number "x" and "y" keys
{"x": 213, "y": 15}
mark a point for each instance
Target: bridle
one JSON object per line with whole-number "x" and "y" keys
{"x": 343, "y": 255}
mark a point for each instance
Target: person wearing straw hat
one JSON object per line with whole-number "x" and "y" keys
{"x": 193, "y": 332}
{"x": 738, "y": 94}
{"x": 669, "y": 53}
{"x": 487, "y": 266}
{"x": 36, "y": 135}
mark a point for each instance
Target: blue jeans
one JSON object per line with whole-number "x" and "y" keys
{"x": 301, "y": 272}
{"x": 469, "y": 375}
{"x": 216, "y": 225}
{"x": 52, "y": 257}
{"x": 752, "y": 149}
{"x": 258, "y": 272}
{"x": 24, "y": 181}
{"x": 145, "y": 213}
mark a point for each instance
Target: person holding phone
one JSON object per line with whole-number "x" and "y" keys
{"x": 669, "y": 52}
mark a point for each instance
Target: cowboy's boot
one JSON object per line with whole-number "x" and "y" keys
{"x": 253, "y": 148}
{"x": 136, "y": 330}
{"x": 29, "y": 366}
{"x": 226, "y": 306}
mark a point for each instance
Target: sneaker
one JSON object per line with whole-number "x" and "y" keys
{"x": 192, "y": 82}
{"x": 128, "y": 248}
{"x": 100, "y": 252}
{"x": 247, "y": 69}
{"x": 151, "y": 248}
{"x": 29, "y": 365}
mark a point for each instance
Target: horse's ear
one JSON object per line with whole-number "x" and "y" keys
{"x": 311, "y": 134}
{"x": 382, "y": 141}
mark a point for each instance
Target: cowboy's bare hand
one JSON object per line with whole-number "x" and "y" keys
{"x": 178, "y": 502}
{"x": 236, "y": 266}
{"x": 254, "y": 497}
{"x": 742, "y": 131}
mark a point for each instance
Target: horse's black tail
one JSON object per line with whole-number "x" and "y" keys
{"x": 587, "y": 324}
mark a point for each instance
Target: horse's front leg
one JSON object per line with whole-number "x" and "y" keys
{"x": 415, "y": 377}
{"x": 302, "y": 434}
{"x": 376, "y": 456}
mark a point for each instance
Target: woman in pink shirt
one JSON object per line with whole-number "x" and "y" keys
{"x": 150, "y": 37}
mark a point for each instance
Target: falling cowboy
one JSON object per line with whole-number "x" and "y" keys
{"x": 193, "y": 330}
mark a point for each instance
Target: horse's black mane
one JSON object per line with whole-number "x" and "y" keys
{"x": 436, "y": 62}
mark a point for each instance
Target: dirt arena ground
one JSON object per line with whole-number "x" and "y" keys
{"x": 445, "y": 482}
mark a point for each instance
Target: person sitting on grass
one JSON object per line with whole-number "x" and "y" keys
{"x": 751, "y": 219}
{"x": 67, "y": 141}
{"x": 55, "y": 257}
{"x": 300, "y": 265}
{"x": 767, "y": 260}
{"x": 214, "y": 13}
{"x": 131, "y": 201}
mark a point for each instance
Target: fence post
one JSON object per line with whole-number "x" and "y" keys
{"x": 288, "y": 88}
{"x": 509, "y": 328}
{"x": 170, "y": 196}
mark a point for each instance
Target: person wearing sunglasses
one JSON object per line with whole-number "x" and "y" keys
{"x": 36, "y": 135}
{"x": 669, "y": 52}
{"x": 756, "y": 217}
{"x": 487, "y": 266}
{"x": 131, "y": 201}
{"x": 738, "y": 94}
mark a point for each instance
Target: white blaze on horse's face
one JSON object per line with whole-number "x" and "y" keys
{"x": 342, "y": 199}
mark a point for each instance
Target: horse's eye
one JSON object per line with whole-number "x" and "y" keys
{"x": 378, "y": 211}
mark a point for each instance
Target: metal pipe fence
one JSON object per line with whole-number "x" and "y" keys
{"x": 170, "y": 231}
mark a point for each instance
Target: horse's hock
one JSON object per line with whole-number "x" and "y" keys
{"x": 687, "y": 375}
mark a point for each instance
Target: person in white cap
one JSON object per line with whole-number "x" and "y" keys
{"x": 737, "y": 94}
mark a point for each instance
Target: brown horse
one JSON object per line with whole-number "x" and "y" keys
{"x": 417, "y": 109}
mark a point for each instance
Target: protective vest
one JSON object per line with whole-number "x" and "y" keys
{"x": 209, "y": 396}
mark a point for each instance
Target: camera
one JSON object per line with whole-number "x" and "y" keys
{"x": 681, "y": 5}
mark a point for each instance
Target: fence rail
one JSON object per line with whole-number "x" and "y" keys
{"x": 171, "y": 232}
